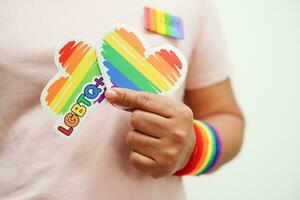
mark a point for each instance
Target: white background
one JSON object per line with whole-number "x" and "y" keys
{"x": 263, "y": 37}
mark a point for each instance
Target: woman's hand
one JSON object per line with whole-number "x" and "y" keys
{"x": 162, "y": 139}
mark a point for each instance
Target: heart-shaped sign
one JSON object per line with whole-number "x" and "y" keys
{"x": 127, "y": 62}
{"x": 75, "y": 88}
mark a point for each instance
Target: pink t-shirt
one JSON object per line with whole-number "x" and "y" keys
{"x": 36, "y": 163}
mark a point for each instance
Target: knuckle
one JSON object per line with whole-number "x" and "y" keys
{"x": 178, "y": 136}
{"x": 167, "y": 168}
{"x": 156, "y": 175}
{"x": 130, "y": 138}
{"x": 169, "y": 160}
{"x": 171, "y": 155}
{"x": 133, "y": 160}
{"x": 146, "y": 143}
{"x": 188, "y": 113}
{"x": 142, "y": 98}
{"x": 185, "y": 112}
{"x": 135, "y": 118}
{"x": 124, "y": 98}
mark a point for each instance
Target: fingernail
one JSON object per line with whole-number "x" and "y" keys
{"x": 110, "y": 94}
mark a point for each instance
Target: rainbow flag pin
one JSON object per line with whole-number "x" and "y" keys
{"x": 163, "y": 23}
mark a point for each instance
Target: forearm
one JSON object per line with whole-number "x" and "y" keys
{"x": 217, "y": 106}
{"x": 230, "y": 128}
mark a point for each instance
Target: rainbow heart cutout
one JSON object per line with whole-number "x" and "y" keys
{"x": 127, "y": 62}
{"x": 76, "y": 87}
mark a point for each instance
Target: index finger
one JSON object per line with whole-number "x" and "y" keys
{"x": 141, "y": 100}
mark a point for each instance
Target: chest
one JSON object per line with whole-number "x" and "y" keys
{"x": 31, "y": 31}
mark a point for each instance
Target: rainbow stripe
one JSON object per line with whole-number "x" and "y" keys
{"x": 124, "y": 60}
{"x": 207, "y": 150}
{"x": 209, "y": 155}
{"x": 163, "y": 23}
{"x": 79, "y": 60}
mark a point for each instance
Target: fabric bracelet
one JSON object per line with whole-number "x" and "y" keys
{"x": 206, "y": 152}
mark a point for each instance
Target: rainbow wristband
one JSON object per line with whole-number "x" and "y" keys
{"x": 206, "y": 152}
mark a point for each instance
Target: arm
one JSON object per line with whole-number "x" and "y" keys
{"x": 162, "y": 139}
{"x": 217, "y": 105}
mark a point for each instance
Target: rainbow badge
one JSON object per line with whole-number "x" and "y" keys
{"x": 163, "y": 23}
{"x": 76, "y": 88}
{"x": 127, "y": 62}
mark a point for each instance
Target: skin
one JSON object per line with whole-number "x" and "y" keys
{"x": 162, "y": 137}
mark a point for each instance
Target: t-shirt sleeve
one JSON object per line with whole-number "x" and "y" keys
{"x": 210, "y": 62}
